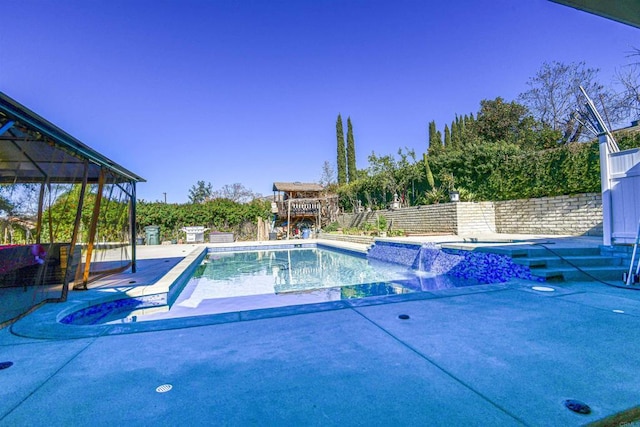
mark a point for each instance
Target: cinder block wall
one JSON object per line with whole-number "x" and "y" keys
{"x": 476, "y": 218}
{"x": 579, "y": 214}
{"x": 440, "y": 218}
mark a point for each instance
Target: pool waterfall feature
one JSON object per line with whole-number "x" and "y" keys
{"x": 434, "y": 259}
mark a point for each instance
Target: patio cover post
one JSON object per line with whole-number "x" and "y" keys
{"x": 74, "y": 234}
{"x": 132, "y": 226}
{"x": 92, "y": 230}
{"x": 43, "y": 185}
{"x": 288, "y": 218}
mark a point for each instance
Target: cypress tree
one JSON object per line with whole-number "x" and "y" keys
{"x": 447, "y": 137}
{"x": 351, "y": 153}
{"x": 435, "y": 139}
{"x": 342, "y": 159}
{"x": 432, "y": 133}
{"x": 428, "y": 173}
{"x": 454, "y": 134}
{"x": 461, "y": 130}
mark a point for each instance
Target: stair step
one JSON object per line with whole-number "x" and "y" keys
{"x": 531, "y": 251}
{"x": 513, "y": 252}
{"x": 552, "y": 251}
{"x": 586, "y": 261}
{"x": 613, "y": 273}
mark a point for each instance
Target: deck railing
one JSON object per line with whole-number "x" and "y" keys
{"x": 298, "y": 208}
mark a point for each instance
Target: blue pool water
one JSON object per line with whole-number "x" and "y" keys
{"x": 231, "y": 281}
{"x": 238, "y": 281}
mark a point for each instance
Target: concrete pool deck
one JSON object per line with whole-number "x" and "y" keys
{"x": 487, "y": 355}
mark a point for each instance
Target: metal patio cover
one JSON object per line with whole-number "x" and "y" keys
{"x": 625, "y": 11}
{"x": 33, "y": 149}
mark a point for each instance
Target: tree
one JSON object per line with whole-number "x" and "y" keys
{"x": 435, "y": 139}
{"x": 200, "y": 192}
{"x": 499, "y": 120}
{"x": 328, "y": 174}
{"x": 352, "y": 172}
{"x": 455, "y": 134}
{"x": 629, "y": 78}
{"x": 554, "y": 95}
{"x": 428, "y": 173}
{"x": 342, "y": 154}
{"x": 235, "y": 192}
{"x": 447, "y": 136}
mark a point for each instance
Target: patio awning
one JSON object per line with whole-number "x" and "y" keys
{"x": 625, "y": 11}
{"x": 297, "y": 186}
{"x": 33, "y": 149}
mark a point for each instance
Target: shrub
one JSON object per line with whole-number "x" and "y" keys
{"x": 334, "y": 226}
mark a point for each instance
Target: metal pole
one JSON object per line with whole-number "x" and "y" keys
{"x": 41, "y": 211}
{"x": 74, "y": 235}
{"x": 288, "y": 218}
{"x": 132, "y": 226}
{"x": 92, "y": 230}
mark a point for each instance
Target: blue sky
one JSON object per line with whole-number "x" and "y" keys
{"x": 249, "y": 91}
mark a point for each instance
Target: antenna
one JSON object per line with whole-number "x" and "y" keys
{"x": 594, "y": 122}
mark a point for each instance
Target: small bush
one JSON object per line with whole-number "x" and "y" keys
{"x": 334, "y": 226}
{"x": 382, "y": 223}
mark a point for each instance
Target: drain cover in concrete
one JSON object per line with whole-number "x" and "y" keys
{"x": 543, "y": 289}
{"x": 164, "y": 388}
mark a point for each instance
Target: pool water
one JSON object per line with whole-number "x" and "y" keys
{"x": 238, "y": 281}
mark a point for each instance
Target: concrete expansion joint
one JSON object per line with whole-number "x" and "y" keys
{"x": 407, "y": 318}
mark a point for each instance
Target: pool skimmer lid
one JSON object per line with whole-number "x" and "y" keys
{"x": 543, "y": 289}
{"x": 164, "y": 388}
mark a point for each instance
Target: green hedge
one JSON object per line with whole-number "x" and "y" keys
{"x": 218, "y": 214}
{"x": 494, "y": 171}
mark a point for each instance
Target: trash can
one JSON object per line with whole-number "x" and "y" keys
{"x": 273, "y": 236}
{"x": 306, "y": 233}
{"x": 152, "y": 233}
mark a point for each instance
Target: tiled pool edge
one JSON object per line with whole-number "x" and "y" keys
{"x": 45, "y": 322}
{"x": 41, "y": 326}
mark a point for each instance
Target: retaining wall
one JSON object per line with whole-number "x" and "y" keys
{"x": 579, "y": 214}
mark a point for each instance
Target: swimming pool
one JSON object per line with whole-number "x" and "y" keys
{"x": 232, "y": 281}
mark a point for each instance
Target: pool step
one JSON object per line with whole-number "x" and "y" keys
{"x": 581, "y": 264}
{"x": 607, "y": 273}
{"x": 568, "y": 261}
{"x": 529, "y": 251}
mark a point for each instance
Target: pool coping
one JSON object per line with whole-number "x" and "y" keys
{"x": 45, "y": 322}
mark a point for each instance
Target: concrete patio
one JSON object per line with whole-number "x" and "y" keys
{"x": 488, "y": 355}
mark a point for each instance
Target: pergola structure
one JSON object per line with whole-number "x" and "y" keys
{"x": 37, "y": 157}
{"x": 298, "y": 202}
